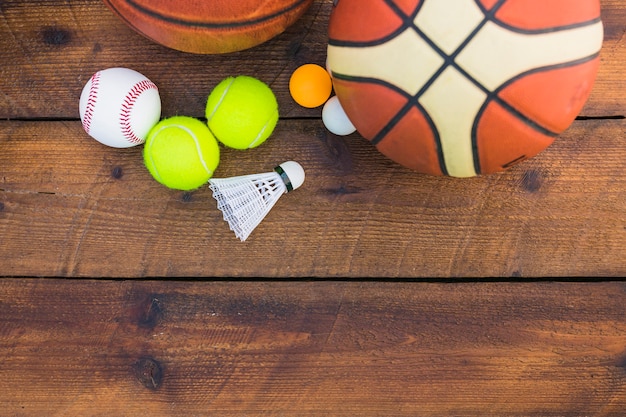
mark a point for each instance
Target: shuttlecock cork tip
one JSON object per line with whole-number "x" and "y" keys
{"x": 292, "y": 174}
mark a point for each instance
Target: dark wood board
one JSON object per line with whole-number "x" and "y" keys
{"x": 164, "y": 348}
{"x": 72, "y": 207}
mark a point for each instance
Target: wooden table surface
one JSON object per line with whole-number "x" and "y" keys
{"x": 383, "y": 292}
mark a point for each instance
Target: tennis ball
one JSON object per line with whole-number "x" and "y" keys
{"x": 181, "y": 153}
{"x": 242, "y": 112}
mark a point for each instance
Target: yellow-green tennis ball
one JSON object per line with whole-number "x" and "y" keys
{"x": 242, "y": 112}
{"x": 181, "y": 153}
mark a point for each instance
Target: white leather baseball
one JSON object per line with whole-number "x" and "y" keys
{"x": 119, "y": 106}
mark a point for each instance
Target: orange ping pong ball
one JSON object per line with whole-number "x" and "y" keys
{"x": 310, "y": 85}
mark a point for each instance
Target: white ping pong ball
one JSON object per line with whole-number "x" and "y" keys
{"x": 335, "y": 118}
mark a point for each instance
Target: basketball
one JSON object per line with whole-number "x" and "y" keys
{"x": 463, "y": 87}
{"x": 209, "y": 27}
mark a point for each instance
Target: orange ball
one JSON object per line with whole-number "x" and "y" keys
{"x": 310, "y": 85}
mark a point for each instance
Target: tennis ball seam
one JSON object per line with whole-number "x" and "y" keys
{"x": 260, "y": 134}
{"x": 196, "y": 142}
{"x": 222, "y": 98}
{"x": 200, "y": 154}
{"x": 148, "y": 152}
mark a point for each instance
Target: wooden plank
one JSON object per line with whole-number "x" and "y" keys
{"x": 311, "y": 348}
{"x": 612, "y": 74}
{"x": 72, "y": 207}
{"x": 50, "y": 48}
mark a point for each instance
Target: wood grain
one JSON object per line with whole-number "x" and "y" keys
{"x": 93, "y": 348}
{"x": 357, "y": 215}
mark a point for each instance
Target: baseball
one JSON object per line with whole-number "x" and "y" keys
{"x": 119, "y": 106}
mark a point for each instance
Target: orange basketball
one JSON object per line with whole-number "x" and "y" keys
{"x": 211, "y": 26}
{"x": 463, "y": 87}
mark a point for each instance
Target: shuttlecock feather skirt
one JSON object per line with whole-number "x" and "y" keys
{"x": 246, "y": 200}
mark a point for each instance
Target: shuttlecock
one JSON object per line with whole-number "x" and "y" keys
{"x": 246, "y": 200}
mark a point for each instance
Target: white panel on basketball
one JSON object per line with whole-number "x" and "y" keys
{"x": 449, "y": 22}
{"x": 497, "y": 54}
{"x": 405, "y": 61}
{"x": 452, "y": 97}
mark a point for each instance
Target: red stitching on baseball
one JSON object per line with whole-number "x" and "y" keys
{"x": 91, "y": 101}
{"x": 127, "y": 107}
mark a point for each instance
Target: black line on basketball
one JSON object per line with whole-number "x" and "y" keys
{"x": 548, "y": 68}
{"x": 412, "y": 101}
{"x": 513, "y": 112}
{"x": 407, "y": 22}
{"x": 212, "y": 25}
{"x": 406, "y": 18}
{"x": 545, "y": 30}
{"x": 535, "y": 125}
{"x": 364, "y": 44}
{"x": 368, "y": 80}
{"x": 513, "y": 162}
{"x": 493, "y": 10}
{"x": 450, "y": 60}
